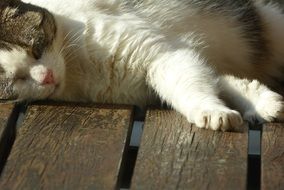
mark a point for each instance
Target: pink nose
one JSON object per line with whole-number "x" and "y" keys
{"x": 48, "y": 78}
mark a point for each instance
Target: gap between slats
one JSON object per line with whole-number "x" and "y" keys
{"x": 254, "y": 161}
{"x": 9, "y": 134}
{"x": 18, "y": 112}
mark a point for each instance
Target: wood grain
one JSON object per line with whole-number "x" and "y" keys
{"x": 5, "y": 113}
{"x": 7, "y": 120}
{"x": 68, "y": 147}
{"x": 177, "y": 155}
{"x": 272, "y": 157}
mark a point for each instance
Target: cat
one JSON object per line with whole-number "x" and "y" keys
{"x": 214, "y": 61}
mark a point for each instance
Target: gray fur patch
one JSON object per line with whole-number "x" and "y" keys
{"x": 7, "y": 92}
{"x": 243, "y": 11}
{"x": 26, "y": 26}
{"x": 246, "y": 14}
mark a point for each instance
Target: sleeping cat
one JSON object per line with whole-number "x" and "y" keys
{"x": 205, "y": 58}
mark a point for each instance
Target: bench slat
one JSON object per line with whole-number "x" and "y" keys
{"x": 6, "y": 132}
{"x": 68, "y": 147}
{"x": 272, "y": 157}
{"x": 5, "y": 113}
{"x": 176, "y": 155}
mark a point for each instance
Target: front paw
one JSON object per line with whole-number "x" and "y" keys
{"x": 269, "y": 107}
{"x": 218, "y": 118}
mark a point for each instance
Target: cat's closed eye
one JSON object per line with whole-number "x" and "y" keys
{"x": 37, "y": 49}
{"x": 2, "y": 71}
{"x": 21, "y": 78}
{"x": 35, "y": 52}
{"x": 20, "y": 75}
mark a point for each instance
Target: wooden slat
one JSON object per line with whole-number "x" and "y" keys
{"x": 6, "y": 136}
{"x": 272, "y": 157}
{"x": 5, "y": 113}
{"x": 176, "y": 155}
{"x": 68, "y": 147}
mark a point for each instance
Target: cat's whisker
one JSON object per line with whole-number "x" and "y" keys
{"x": 66, "y": 36}
{"x": 64, "y": 49}
{"x": 71, "y": 59}
{"x": 70, "y": 41}
{"x": 71, "y": 37}
{"x": 69, "y": 45}
{"x": 65, "y": 41}
{"x": 69, "y": 53}
{"x": 133, "y": 53}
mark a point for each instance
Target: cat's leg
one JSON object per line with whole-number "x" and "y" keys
{"x": 190, "y": 86}
{"x": 254, "y": 100}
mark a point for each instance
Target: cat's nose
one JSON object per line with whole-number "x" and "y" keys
{"x": 48, "y": 77}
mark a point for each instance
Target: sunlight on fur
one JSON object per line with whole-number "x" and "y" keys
{"x": 214, "y": 62}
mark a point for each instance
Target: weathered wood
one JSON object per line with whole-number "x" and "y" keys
{"x": 272, "y": 157}
{"x": 7, "y": 119}
{"x": 5, "y": 113}
{"x": 68, "y": 147}
{"x": 176, "y": 155}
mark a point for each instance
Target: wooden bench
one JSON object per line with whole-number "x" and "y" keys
{"x": 77, "y": 146}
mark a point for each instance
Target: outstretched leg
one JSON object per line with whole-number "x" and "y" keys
{"x": 190, "y": 86}
{"x": 255, "y": 101}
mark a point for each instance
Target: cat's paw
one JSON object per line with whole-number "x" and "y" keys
{"x": 218, "y": 118}
{"x": 269, "y": 107}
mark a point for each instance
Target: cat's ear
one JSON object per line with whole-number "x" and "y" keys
{"x": 21, "y": 12}
{"x": 9, "y": 1}
{"x": 6, "y": 3}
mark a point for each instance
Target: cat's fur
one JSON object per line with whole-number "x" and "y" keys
{"x": 198, "y": 56}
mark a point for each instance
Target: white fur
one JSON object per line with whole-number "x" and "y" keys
{"x": 105, "y": 52}
{"x": 254, "y": 100}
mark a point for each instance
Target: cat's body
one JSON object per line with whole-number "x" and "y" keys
{"x": 182, "y": 51}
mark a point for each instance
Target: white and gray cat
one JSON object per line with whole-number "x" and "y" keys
{"x": 205, "y": 58}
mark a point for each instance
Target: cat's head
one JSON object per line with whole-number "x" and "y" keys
{"x": 31, "y": 66}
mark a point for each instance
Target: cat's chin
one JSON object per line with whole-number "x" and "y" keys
{"x": 56, "y": 91}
